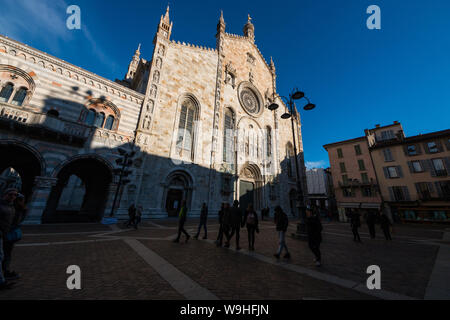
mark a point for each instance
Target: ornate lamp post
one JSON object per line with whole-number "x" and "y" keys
{"x": 296, "y": 95}
{"x": 126, "y": 162}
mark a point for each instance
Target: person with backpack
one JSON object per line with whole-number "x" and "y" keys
{"x": 234, "y": 222}
{"x": 251, "y": 221}
{"x": 182, "y": 215}
{"x": 281, "y": 221}
{"x": 203, "y": 219}
{"x": 314, "y": 230}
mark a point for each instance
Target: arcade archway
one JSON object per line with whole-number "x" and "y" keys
{"x": 25, "y": 163}
{"x": 81, "y": 192}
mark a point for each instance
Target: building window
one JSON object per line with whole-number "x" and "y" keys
{"x": 345, "y": 179}
{"x": 269, "y": 141}
{"x": 399, "y": 193}
{"x": 6, "y": 92}
{"x": 186, "y": 128}
{"x": 387, "y": 135}
{"x": 439, "y": 168}
{"x": 340, "y": 154}
{"x": 412, "y": 150}
{"x": 348, "y": 192}
{"x": 109, "y": 123}
{"x": 367, "y": 192}
{"x": 20, "y": 96}
{"x": 361, "y": 165}
{"x": 358, "y": 150}
{"x": 416, "y": 167}
{"x": 432, "y": 147}
{"x": 443, "y": 189}
{"x": 387, "y": 155}
{"x": 90, "y": 118}
{"x": 53, "y": 113}
{"x": 228, "y": 136}
{"x": 392, "y": 172}
{"x": 342, "y": 165}
{"x": 99, "y": 119}
{"x": 364, "y": 177}
{"x": 424, "y": 190}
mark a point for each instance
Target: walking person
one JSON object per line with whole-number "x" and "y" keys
{"x": 386, "y": 226}
{"x": 314, "y": 230}
{"x": 355, "y": 223}
{"x": 7, "y": 213}
{"x": 131, "y": 215}
{"x": 14, "y": 235}
{"x": 182, "y": 215}
{"x": 223, "y": 223}
{"x": 251, "y": 221}
{"x": 370, "y": 220}
{"x": 138, "y": 217}
{"x": 281, "y": 221}
{"x": 235, "y": 222}
{"x": 203, "y": 220}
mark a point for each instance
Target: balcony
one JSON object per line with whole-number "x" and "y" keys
{"x": 40, "y": 124}
{"x": 357, "y": 183}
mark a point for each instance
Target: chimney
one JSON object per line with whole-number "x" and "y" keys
{"x": 377, "y": 126}
{"x": 395, "y": 122}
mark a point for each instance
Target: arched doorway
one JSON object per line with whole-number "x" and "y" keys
{"x": 81, "y": 192}
{"x": 250, "y": 186}
{"x": 177, "y": 188}
{"x": 17, "y": 161}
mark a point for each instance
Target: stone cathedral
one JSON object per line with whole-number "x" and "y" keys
{"x": 197, "y": 119}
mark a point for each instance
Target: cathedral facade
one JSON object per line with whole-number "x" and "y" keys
{"x": 197, "y": 119}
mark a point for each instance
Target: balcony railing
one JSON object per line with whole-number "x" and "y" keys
{"x": 30, "y": 118}
{"x": 357, "y": 183}
{"x": 441, "y": 173}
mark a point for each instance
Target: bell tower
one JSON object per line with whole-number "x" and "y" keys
{"x": 165, "y": 27}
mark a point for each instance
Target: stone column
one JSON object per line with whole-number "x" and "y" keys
{"x": 41, "y": 192}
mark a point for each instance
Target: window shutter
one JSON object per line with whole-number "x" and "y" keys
{"x": 438, "y": 189}
{"x": 432, "y": 170}
{"x": 439, "y": 146}
{"x": 411, "y": 167}
{"x": 447, "y": 144}
{"x": 425, "y": 165}
{"x": 391, "y": 193}
{"x": 425, "y": 146}
{"x": 386, "y": 172}
{"x": 406, "y": 193}
{"x": 417, "y": 187}
{"x": 447, "y": 164}
{"x": 405, "y": 150}
{"x": 418, "y": 148}
{"x": 399, "y": 171}
{"x": 430, "y": 187}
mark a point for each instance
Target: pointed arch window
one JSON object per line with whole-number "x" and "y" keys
{"x": 109, "y": 123}
{"x": 6, "y": 92}
{"x": 99, "y": 119}
{"x": 185, "y": 137}
{"x": 228, "y": 136}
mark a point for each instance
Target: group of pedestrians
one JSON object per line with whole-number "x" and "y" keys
{"x": 371, "y": 219}
{"x": 12, "y": 213}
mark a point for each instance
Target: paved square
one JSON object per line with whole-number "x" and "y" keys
{"x": 144, "y": 264}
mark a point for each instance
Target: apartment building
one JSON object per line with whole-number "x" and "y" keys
{"x": 354, "y": 180}
{"x": 406, "y": 177}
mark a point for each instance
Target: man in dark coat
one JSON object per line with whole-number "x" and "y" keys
{"x": 203, "y": 219}
{"x": 131, "y": 215}
{"x": 223, "y": 223}
{"x": 370, "y": 220}
{"x": 182, "y": 215}
{"x": 281, "y": 221}
{"x": 7, "y": 213}
{"x": 386, "y": 226}
{"x": 235, "y": 222}
{"x": 314, "y": 230}
{"x": 355, "y": 223}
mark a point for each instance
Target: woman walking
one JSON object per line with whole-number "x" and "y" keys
{"x": 281, "y": 221}
{"x": 251, "y": 221}
{"x": 181, "y": 220}
{"x": 355, "y": 223}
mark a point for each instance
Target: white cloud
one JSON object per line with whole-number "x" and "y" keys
{"x": 315, "y": 164}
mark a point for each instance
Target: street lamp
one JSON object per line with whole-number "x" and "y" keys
{"x": 296, "y": 95}
{"x": 126, "y": 162}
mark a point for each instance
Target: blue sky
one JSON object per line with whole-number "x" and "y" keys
{"x": 357, "y": 77}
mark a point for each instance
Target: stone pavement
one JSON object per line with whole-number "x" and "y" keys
{"x": 144, "y": 264}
